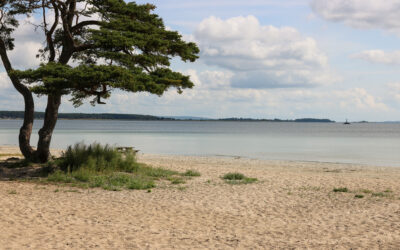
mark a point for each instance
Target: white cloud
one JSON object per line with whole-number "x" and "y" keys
{"x": 394, "y": 86}
{"x": 262, "y": 56}
{"x": 379, "y": 56}
{"x": 28, "y": 41}
{"x": 213, "y": 97}
{"x": 364, "y": 14}
{"x": 5, "y": 82}
{"x": 394, "y": 92}
{"x": 359, "y": 98}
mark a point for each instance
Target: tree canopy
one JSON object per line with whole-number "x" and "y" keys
{"x": 126, "y": 47}
{"x": 93, "y": 47}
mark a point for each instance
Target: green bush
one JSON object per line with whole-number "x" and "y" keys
{"x": 104, "y": 166}
{"x": 238, "y": 178}
{"x": 234, "y": 176}
{"x": 97, "y": 158}
{"x": 341, "y": 190}
{"x": 192, "y": 173}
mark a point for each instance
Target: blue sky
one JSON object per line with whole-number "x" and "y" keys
{"x": 284, "y": 59}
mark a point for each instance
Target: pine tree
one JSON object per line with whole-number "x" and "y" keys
{"x": 92, "y": 48}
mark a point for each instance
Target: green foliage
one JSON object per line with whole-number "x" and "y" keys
{"x": 366, "y": 191}
{"x": 127, "y": 47}
{"x": 380, "y": 194}
{"x": 234, "y": 176}
{"x": 238, "y": 178}
{"x": 341, "y": 190}
{"x": 192, "y": 173}
{"x": 105, "y": 167}
{"x": 176, "y": 180}
{"x": 9, "y": 22}
{"x": 12, "y": 192}
{"x": 96, "y": 157}
{"x": 359, "y": 196}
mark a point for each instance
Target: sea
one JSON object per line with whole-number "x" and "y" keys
{"x": 359, "y": 143}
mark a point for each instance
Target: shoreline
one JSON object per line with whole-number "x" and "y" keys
{"x": 14, "y": 150}
{"x": 292, "y": 205}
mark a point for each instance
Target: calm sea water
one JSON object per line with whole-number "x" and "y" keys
{"x": 363, "y": 143}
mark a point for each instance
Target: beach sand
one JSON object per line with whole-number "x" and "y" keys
{"x": 292, "y": 206}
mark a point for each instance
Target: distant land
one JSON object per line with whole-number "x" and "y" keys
{"x": 74, "y": 116}
{"x": 133, "y": 117}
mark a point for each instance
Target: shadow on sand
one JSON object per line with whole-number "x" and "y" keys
{"x": 15, "y": 168}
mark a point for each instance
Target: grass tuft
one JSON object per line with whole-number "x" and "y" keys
{"x": 366, "y": 191}
{"x": 234, "y": 176}
{"x": 359, "y": 196}
{"x": 192, "y": 173}
{"x": 238, "y": 178}
{"x": 341, "y": 190}
{"x": 105, "y": 167}
{"x": 176, "y": 180}
{"x": 380, "y": 194}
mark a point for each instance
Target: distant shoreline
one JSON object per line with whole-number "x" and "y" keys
{"x": 15, "y": 115}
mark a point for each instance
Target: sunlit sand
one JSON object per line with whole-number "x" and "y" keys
{"x": 291, "y": 206}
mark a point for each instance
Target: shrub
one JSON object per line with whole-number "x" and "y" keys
{"x": 192, "y": 173}
{"x": 104, "y": 166}
{"x": 176, "y": 180}
{"x": 341, "y": 190}
{"x": 97, "y": 158}
{"x": 234, "y": 176}
{"x": 238, "y": 178}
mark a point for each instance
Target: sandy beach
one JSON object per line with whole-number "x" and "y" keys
{"x": 292, "y": 206}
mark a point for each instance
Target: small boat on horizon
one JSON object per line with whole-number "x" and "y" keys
{"x": 346, "y": 122}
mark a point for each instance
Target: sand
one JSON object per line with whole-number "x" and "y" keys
{"x": 291, "y": 207}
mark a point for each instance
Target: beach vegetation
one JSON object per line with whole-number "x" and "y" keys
{"x": 12, "y": 192}
{"x": 176, "y": 180}
{"x": 341, "y": 190}
{"x": 366, "y": 191}
{"x": 359, "y": 196}
{"x": 182, "y": 188}
{"x": 95, "y": 165}
{"x": 191, "y": 173}
{"x": 238, "y": 178}
{"x": 379, "y": 194}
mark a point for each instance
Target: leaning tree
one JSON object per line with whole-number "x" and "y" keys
{"x": 91, "y": 47}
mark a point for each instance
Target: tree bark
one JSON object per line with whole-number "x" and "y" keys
{"x": 26, "y": 129}
{"x": 46, "y": 132}
{"x": 51, "y": 115}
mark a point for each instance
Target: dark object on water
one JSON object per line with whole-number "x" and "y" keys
{"x": 346, "y": 122}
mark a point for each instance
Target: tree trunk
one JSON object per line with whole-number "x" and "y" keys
{"x": 26, "y": 129}
{"x": 46, "y": 132}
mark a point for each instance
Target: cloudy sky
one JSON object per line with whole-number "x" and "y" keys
{"x": 284, "y": 59}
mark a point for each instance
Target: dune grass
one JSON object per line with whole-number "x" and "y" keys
{"x": 238, "y": 178}
{"x": 105, "y": 167}
{"x": 191, "y": 173}
{"x": 341, "y": 190}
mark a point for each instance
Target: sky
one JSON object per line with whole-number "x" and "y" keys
{"x": 286, "y": 59}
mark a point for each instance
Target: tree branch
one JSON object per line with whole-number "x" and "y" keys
{"x": 49, "y": 34}
{"x": 83, "y": 47}
{"x": 83, "y": 24}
